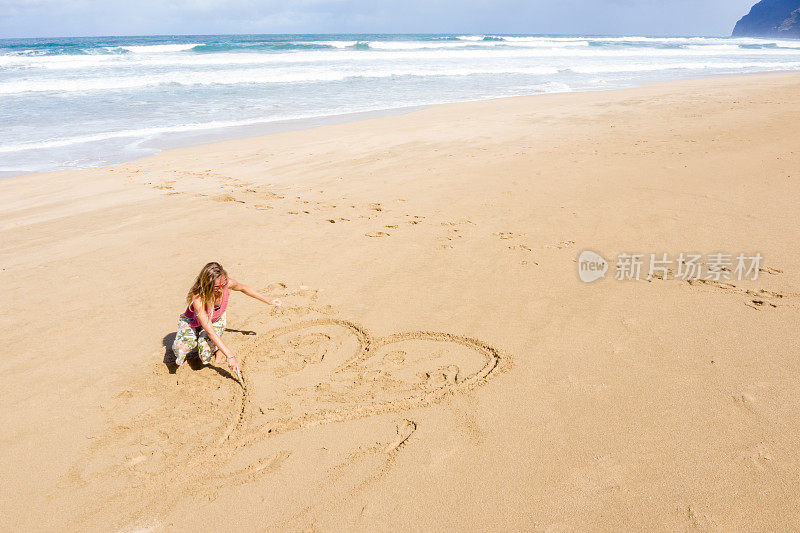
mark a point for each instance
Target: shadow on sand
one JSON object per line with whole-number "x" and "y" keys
{"x": 193, "y": 360}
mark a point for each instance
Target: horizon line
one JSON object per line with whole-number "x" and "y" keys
{"x": 376, "y": 33}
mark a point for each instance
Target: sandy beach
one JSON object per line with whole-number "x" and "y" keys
{"x": 437, "y": 363}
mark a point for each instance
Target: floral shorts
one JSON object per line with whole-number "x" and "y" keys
{"x": 188, "y": 338}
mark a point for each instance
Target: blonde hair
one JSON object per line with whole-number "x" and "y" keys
{"x": 204, "y": 285}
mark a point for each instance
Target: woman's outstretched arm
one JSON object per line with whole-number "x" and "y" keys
{"x": 202, "y": 317}
{"x": 241, "y": 287}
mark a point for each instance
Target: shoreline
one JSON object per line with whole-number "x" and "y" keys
{"x": 433, "y": 326}
{"x": 261, "y": 129}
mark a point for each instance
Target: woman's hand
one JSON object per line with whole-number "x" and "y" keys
{"x": 233, "y": 364}
{"x": 241, "y": 287}
{"x": 223, "y": 353}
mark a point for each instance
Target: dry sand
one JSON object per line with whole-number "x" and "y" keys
{"x": 436, "y": 363}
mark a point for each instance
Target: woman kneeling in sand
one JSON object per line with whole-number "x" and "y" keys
{"x": 201, "y": 325}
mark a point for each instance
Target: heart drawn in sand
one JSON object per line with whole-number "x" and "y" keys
{"x": 307, "y": 374}
{"x": 324, "y": 371}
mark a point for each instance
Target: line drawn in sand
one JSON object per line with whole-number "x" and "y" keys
{"x": 329, "y": 370}
{"x": 316, "y": 372}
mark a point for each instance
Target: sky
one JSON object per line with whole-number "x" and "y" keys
{"x": 66, "y": 18}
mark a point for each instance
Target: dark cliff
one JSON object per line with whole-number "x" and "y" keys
{"x": 771, "y": 18}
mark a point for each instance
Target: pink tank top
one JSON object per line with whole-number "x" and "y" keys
{"x": 218, "y": 311}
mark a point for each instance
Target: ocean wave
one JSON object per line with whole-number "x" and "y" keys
{"x": 75, "y": 102}
{"x": 239, "y": 77}
{"x": 705, "y": 66}
{"x": 484, "y": 37}
{"x": 264, "y": 76}
{"x": 563, "y": 50}
{"x": 141, "y": 134}
{"x": 215, "y": 48}
{"x": 156, "y": 48}
{"x": 424, "y": 45}
{"x": 55, "y": 49}
{"x": 478, "y": 43}
{"x": 122, "y": 134}
{"x": 334, "y": 44}
{"x": 712, "y": 48}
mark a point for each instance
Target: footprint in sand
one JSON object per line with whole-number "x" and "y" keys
{"x": 276, "y": 287}
{"x": 759, "y": 456}
{"x": 297, "y": 302}
{"x": 301, "y": 351}
{"x": 226, "y": 198}
{"x": 377, "y": 234}
{"x": 760, "y": 299}
{"x": 601, "y": 474}
{"x": 457, "y": 222}
{"x": 441, "y": 377}
{"x": 698, "y": 519}
{"x": 745, "y": 401}
{"x": 404, "y": 431}
{"x": 757, "y": 304}
{"x": 561, "y": 245}
{"x": 394, "y": 358}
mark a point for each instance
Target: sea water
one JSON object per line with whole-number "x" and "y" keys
{"x": 80, "y": 102}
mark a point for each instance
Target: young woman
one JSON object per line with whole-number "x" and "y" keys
{"x": 201, "y": 325}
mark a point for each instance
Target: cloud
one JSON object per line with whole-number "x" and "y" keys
{"x": 20, "y": 18}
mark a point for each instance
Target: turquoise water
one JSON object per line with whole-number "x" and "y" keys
{"x": 79, "y": 102}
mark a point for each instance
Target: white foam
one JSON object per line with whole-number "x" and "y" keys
{"x": 157, "y": 48}
{"x": 333, "y": 44}
{"x": 129, "y": 133}
{"x": 648, "y": 67}
{"x": 147, "y": 133}
{"x": 81, "y": 92}
{"x": 273, "y": 75}
{"x": 398, "y": 50}
{"x": 246, "y": 76}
